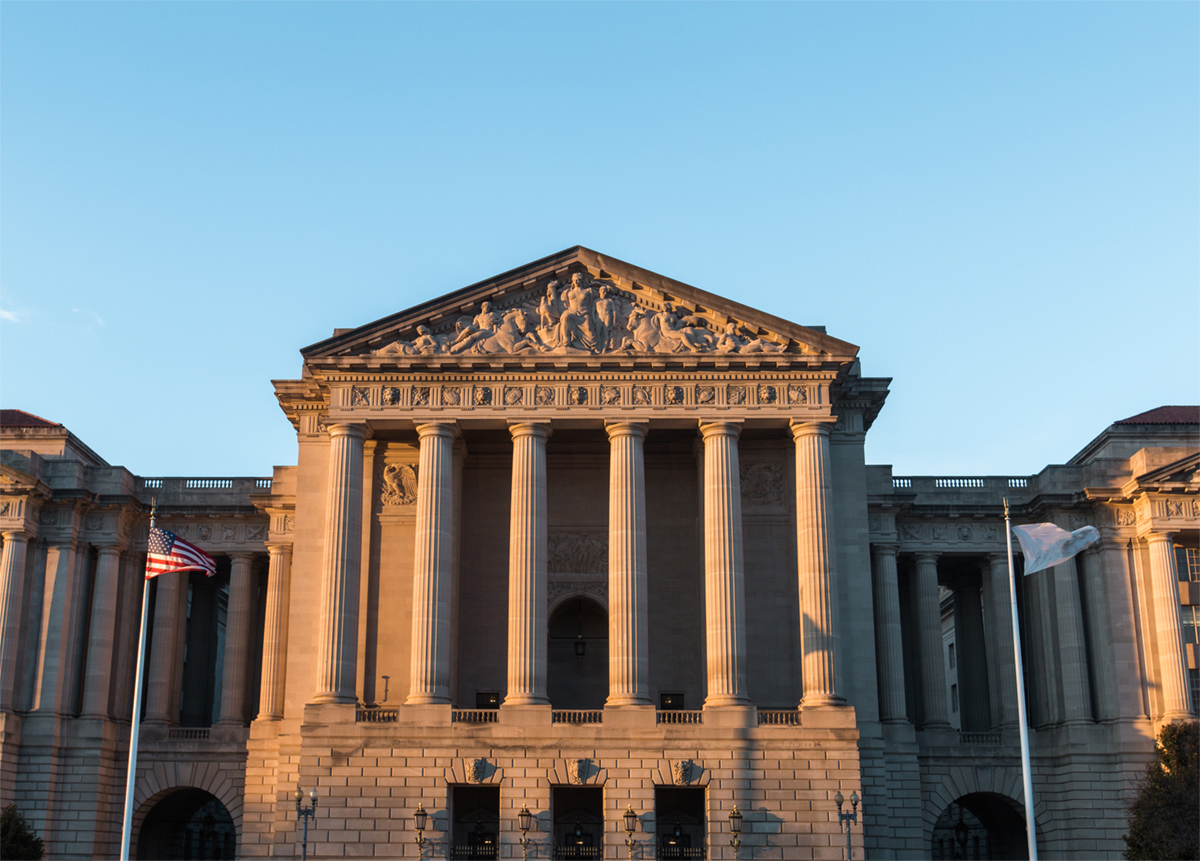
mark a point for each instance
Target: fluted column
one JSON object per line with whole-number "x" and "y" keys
{"x": 337, "y": 648}
{"x": 275, "y": 633}
{"x": 12, "y": 580}
{"x": 164, "y": 654}
{"x": 56, "y": 652}
{"x": 972, "y": 658}
{"x": 1172, "y": 671}
{"x": 935, "y": 714}
{"x": 433, "y": 560}
{"x": 1091, "y": 563}
{"x": 527, "y": 557}
{"x": 1072, "y": 649}
{"x": 628, "y": 627}
{"x": 821, "y": 665}
{"x": 889, "y": 647}
{"x": 1002, "y": 671}
{"x": 237, "y": 640}
{"x": 101, "y": 632}
{"x": 724, "y": 585}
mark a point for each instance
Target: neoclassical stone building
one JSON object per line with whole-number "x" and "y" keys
{"x": 585, "y": 541}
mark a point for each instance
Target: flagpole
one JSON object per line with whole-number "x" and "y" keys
{"x": 131, "y": 770}
{"x": 1026, "y": 779}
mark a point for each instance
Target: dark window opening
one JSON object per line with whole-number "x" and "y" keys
{"x": 475, "y": 814}
{"x": 671, "y": 702}
{"x": 487, "y": 699}
{"x": 578, "y": 823}
{"x": 679, "y": 817}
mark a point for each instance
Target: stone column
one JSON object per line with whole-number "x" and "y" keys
{"x": 101, "y": 631}
{"x": 724, "y": 586}
{"x": 527, "y": 557}
{"x": 1002, "y": 667}
{"x": 433, "y": 561}
{"x": 164, "y": 654}
{"x": 1101, "y": 659}
{"x": 821, "y": 667}
{"x": 55, "y": 664}
{"x": 628, "y": 627}
{"x": 12, "y": 580}
{"x": 1072, "y": 648}
{"x": 337, "y": 648}
{"x": 275, "y": 633}
{"x": 975, "y": 708}
{"x": 1172, "y": 670}
{"x": 889, "y": 647}
{"x": 934, "y": 713}
{"x": 237, "y": 640}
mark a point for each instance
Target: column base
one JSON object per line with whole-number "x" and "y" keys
{"x": 740, "y": 716}
{"x": 822, "y": 701}
{"x": 427, "y": 700}
{"x": 524, "y": 700}
{"x": 622, "y": 701}
{"x": 324, "y": 714}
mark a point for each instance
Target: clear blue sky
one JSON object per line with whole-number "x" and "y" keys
{"x": 1000, "y": 203}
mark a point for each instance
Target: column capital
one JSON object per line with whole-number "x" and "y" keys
{"x": 348, "y": 428}
{"x": 241, "y": 556}
{"x": 927, "y": 556}
{"x": 885, "y": 548}
{"x": 522, "y": 428}
{"x": 15, "y": 535}
{"x": 807, "y": 427}
{"x": 446, "y": 429}
{"x": 110, "y": 548}
{"x": 626, "y": 427}
{"x": 1159, "y": 537}
{"x": 720, "y": 427}
{"x": 278, "y": 548}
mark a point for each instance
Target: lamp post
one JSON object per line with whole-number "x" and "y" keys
{"x": 305, "y": 812}
{"x": 735, "y": 828}
{"x": 631, "y": 821}
{"x": 420, "y": 820}
{"x": 847, "y": 818}
{"x": 525, "y": 822}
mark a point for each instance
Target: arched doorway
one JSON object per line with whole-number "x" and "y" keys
{"x": 980, "y": 825}
{"x": 577, "y": 660}
{"x": 187, "y": 824}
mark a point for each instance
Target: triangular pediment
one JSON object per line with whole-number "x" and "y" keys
{"x": 1183, "y": 474}
{"x": 577, "y": 304}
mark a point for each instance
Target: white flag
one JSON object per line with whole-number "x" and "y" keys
{"x": 1045, "y": 545}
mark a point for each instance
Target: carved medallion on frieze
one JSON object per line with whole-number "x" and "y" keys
{"x": 939, "y": 532}
{"x": 544, "y": 395}
{"x": 180, "y": 529}
{"x": 398, "y": 485}
{"x": 797, "y": 395}
{"x": 910, "y": 532}
{"x": 228, "y": 533}
{"x": 736, "y": 395}
{"x": 706, "y": 394}
{"x": 391, "y": 396}
{"x": 289, "y": 523}
{"x": 5, "y": 508}
{"x": 420, "y": 396}
{"x": 48, "y": 517}
{"x": 964, "y": 532}
{"x": 681, "y": 772}
{"x": 578, "y": 770}
{"x": 578, "y": 553}
{"x": 767, "y": 394}
{"x": 874, "y": 523}
{"x": 359, "y": 396}
{"x": 475, "y": 770}
{"x": 1077, "y": 521}
{"x": 610, "y": 395}
{"x": 641, "y": 396}
{"x": 482, "y": 396}
{"x": 513, "y": 396}
{"x": 991, "y": 533}
{"x": 451, "y": 397}
{"x": 762, "y": 483}
{"x": 94, "y": 522}
{"x": 1173, "y": 507}
{"x": 256, "y": 533}
{"x": 577, "y": 396}
{"x": 673, "y": 395}
{"x": 204, "y": 532}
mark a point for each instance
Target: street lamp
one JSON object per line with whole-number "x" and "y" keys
{"x": 420, "y": 820}
{"x": 847, "y": 818}
{"x": 631, "y": 821}
{"x": 525, "y": 822}
{"x": 305, "y": 812}
{"x": 735, "y": 828}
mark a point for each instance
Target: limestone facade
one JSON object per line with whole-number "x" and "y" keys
{"x": 581, "y": 539}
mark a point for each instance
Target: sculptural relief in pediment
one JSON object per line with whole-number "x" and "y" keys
{"x": 583, "y": 317}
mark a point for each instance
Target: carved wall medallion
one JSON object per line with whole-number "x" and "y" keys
{"x": 874, "y": 523}
{"x": 1196, "y": 508}
{"x": 797, "y": 395}
{"x": 939, "y": 532}
{"x": 736, "y": 395}
{"x": 451, "y": 397}
{"x": 48, "y": 517}
{"x": 964, "y": 532}
{"x": 544, "y": 395}
{"x": 1174, "y": 507}
{"x": 673, "y": 394}
{"x": 610, "y": 395}
{"x": 475, "y": 770}
{"x": 767, "y": 394}
{"x": 991, "y": 533}
{"x": 577, "y": 770}
{"x": 359, "y": 397}
{"x": 289, "y": 522}
{"x": 577, "y": 395}
{"x": 910, "y": 532}
{"x": 5, "y": 507}
{"x": 681, "y": 772}
{"x": 762, "y": 483}
{"x": 228, "y": 533}
{"x": 180, "y": 529}
{"x": 399, "y": 484}
{"x": 420, "y": 396}
{"x": 391, "y": 396}
{"x": 706, "y": 394}
{"x": 94, "y": 522}
{"x": 641, "y": 396}
{"x": 483, "y": 396}
{"x": 1077, "y": 521}
{"x": 578, "y": 553}
{"x": 256, "y": 533}
{"x": 513, "y": 395}
{"x": 203, "y": 532}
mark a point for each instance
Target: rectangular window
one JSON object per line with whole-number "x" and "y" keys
{"x": 1194, "y": 684}
{"x": 1187, "y": 563}
{"x": 954, "y": 698}
{"x": 951, "y": 648}
{"x": 1189, "y": 615}
{"x": 670, "y": 702}
{"x": 487, "y": 699}
{"x": 475, "y": 823}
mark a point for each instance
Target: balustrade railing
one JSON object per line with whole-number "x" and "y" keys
{"x": 475, "y": 716}
{"x": 680, "y": 716}
{"x": 779, "y": 717}
{"x": 377, "y": 715}
{"x": 980, "y": 738}
{"x": 930, "y": 483}
{"x": 576, "y": 716}
{"x": 187, "y": 733}
{"x": 185, "y": 484}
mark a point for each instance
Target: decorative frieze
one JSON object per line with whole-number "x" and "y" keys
{"x": 578, "y": 553}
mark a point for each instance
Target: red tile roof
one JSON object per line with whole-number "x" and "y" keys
{"x": 22, "y": 419}
{"x": 1165, "y": 416}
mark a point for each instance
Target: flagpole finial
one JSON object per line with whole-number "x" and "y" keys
{"x": 1006, "y": 508}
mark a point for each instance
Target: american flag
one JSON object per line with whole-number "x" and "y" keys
{"x": 168, "y": 552}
